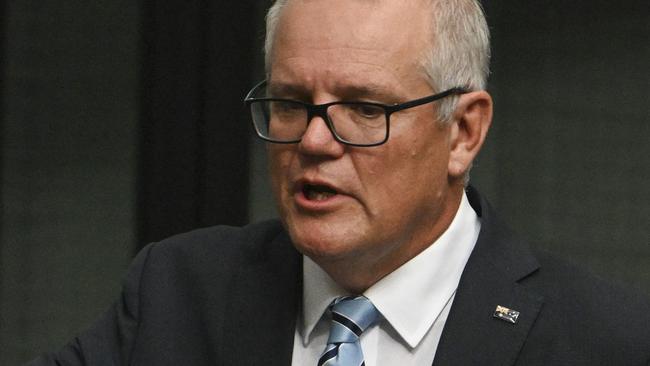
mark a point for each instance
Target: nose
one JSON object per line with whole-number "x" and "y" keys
{"x": 319, "y": 140}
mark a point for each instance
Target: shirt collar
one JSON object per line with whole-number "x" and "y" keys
{"x": 319, "y": 290}
{"x": 428, "y": 281}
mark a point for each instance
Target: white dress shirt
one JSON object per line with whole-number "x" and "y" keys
{"x": 414, "y": 301}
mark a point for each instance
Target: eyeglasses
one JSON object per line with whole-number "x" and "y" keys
{"x": 285, "y": 121}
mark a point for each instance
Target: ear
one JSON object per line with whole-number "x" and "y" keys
{"x": 469, "y": 126}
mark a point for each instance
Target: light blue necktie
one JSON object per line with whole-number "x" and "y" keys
{"x": 350, "y": 318}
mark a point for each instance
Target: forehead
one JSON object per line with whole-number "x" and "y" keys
{"x": 346, "y": 38}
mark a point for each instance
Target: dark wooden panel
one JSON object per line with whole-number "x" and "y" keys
{"x": 198, "y": 59}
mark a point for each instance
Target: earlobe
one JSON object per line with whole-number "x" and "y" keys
{"x": 471, "y": 121}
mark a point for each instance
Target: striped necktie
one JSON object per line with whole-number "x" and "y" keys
{"x": 350, "y": 318}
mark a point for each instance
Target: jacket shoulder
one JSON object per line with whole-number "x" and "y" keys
{"x": 583, "y": 311}
{"x": 563, "y": 281}
{"x": 221, "y": 245}
{"x": 210, "y": 261}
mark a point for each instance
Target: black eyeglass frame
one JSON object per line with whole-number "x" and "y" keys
{"x": 320, "y": 110}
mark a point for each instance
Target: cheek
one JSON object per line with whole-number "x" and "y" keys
{"x": 417, "y": 171}
{"x": 429, "y": 153}
{"x": 278, "y": 165}
{"x": 388, "y": 178}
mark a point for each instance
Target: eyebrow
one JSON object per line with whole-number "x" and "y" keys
{"x": 285, "y": 90}
{"x": 371, "y": 91}
{"x": 350, "y": 92}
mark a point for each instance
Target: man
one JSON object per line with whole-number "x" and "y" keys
{"x": 374, "y": 111}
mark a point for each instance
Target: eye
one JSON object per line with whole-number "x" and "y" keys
{"x": 285, "y": 108}
{"x": 367, "y": 111}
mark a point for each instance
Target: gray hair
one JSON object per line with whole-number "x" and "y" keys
{"x": 459, "y": 53}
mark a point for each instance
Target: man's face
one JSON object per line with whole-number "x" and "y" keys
{"x": 389, "y": 200}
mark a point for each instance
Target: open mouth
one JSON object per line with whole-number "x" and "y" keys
{"x": 315, "y": 192}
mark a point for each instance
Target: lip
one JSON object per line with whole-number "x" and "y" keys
{"x": 325, "y": 205}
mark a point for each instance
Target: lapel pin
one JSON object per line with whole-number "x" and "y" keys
{"x": 506, "y": 314}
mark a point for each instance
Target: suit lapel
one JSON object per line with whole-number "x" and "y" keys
{"x": 472, "y": 336}
{"x": 262, "y": 314}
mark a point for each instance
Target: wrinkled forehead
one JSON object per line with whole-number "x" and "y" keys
{"x": 362, "y": 24}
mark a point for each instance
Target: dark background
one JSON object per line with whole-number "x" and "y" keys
{"x": 122, "y": 123}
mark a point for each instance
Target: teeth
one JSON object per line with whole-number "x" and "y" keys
{"x": 318, "y": 193}
{"x": 318, "y": 196}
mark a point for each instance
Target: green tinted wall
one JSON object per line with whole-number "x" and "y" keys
{"x": 69, "y": 92}
{"x": 568, "y": 162}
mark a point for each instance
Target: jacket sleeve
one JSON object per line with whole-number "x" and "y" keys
{"x": 109, "y": 341}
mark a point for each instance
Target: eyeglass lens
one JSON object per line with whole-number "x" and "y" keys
{"x": 287, "y": 121}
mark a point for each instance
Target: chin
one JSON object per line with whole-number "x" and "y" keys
{"x": 322, "y": 240}
{"x": 317, "y": 245}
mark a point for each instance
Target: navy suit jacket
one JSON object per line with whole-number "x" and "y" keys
{"x": 230, "y": 296}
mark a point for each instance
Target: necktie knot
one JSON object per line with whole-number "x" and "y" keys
{"x": 350, "y": 318}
